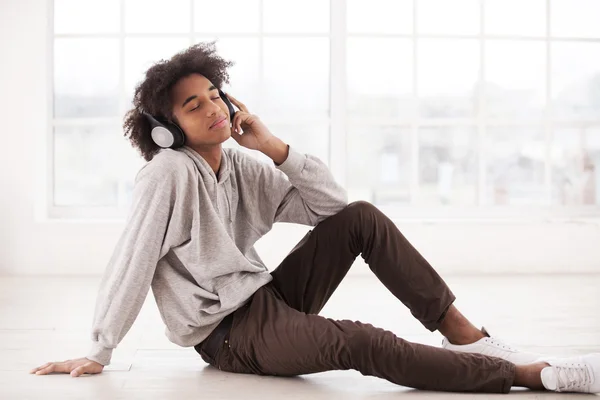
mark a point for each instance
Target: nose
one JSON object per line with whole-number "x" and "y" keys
{"x": 212, "y": 109}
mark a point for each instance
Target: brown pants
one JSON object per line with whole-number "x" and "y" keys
{"x": 278, "y": 332}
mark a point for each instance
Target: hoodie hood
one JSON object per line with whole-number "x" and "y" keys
{"x": 208, "y": 175}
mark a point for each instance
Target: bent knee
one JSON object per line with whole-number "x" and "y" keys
{"x": 361, "y": 207}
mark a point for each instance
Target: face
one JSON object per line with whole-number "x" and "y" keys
{"x": 197, "y": 109}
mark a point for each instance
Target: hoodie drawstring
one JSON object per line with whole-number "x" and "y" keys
{"x": 229, "y": 206}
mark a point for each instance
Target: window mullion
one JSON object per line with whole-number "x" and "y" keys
{"x": 192, "y": 22}
{"x": 414, "y": 187}
{"x": 338, "y": 92}
{"x": 261, "y": 54}
{"x": 481, "y": 112}
{"x": 548, "y": 126}
{"x": 50, "y": 154}
{"x": 123, "y": 96}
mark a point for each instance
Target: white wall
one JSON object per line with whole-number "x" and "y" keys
{"x": 29, "y": 244}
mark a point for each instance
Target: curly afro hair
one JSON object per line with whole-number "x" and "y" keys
{"x": 152, "y": 95}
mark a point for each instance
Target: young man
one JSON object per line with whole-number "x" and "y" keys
{"x": 198, "y": 210}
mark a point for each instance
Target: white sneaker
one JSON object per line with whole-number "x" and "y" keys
{"x": 576, "y": 374}
{"x": 494, "y": 347}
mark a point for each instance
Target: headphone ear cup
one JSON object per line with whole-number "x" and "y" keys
{"x": 164, "y": 133}
{"x": 229, "y": 105}
{"x": 178, "y": 135}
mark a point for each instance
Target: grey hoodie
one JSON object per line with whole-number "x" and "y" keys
{"x": 190, "y": 236}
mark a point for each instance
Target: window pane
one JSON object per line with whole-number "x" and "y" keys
{"x": 244, "y": 75}
{"x": 76, "y": 16}
{"x": 307, "y": 139}
{"x": 515, "y": 163}
{"x": 84, "y": 172}
{"x": 296, "y": 76}
{"x": 378, "y": 164}
{"x": 448, "y": 71}
{"x": 156, "y": 16}
{"x": 575, "y": 18}
{"x": 308, "y": 16}
{"x": 447, "y": 166}
{"x": 142, "y": 53}
{"x": 515, "y": 17}
{"x": 576, "y": 80}
{"x": 516, "y": 79}
{"x": 244, "y": 19}
{"x": 379, "y": 77}
{"x": 576, "y": 166}
{"x": 310, "y": 139}
{"x": 379, "y": 16}
{"x": 86, "y": 77}
{"x": 459, "y": 17}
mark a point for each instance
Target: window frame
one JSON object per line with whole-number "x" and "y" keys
{"x": 338, "y": 120}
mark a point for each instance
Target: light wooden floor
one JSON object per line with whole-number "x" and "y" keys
{"x": 47, "y": 319}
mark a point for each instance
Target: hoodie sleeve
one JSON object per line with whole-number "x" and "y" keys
{"x": 127, "y": 278}
{"x": 301, "y": 190}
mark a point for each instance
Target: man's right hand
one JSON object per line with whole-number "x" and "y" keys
{"x": 73, "y": 367}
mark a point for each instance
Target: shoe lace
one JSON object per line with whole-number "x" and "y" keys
{"x": 496, "y": 341}
{"x": 571, "y": 377}
{"x": 500, "y": 343}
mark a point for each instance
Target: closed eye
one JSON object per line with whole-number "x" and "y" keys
{"x": 214, "y": 98}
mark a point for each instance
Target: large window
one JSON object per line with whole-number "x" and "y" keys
{"x": 423, "y": 107}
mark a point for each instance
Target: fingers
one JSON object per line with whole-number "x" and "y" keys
{"x": 236, "y": 136}
{"x": 74, "y": 367}
{"x": 49, "y": 369}
{"x": 82, "y": 369}
{"x": 236, "y": 102}
{"x": 236, "y": 123}
{"x": 233, "y": 122}
{"x": 33, "y": 371}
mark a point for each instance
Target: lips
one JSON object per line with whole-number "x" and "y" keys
{"x": 218, "y": 121}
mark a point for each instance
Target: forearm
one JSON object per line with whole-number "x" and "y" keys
{"x": 314, "y": 194}
{"x": 276, "y": 149}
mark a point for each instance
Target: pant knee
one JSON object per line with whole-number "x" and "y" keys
{"x": 361, "y": 207}
{"x": 360, "y": 211}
